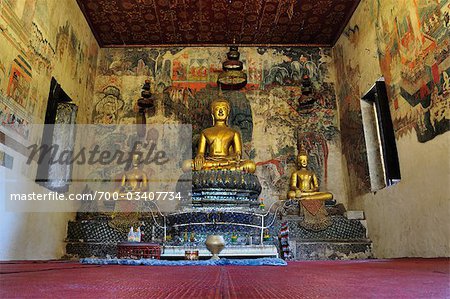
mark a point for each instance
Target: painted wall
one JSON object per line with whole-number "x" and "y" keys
{"x": 271, "y": 112}
{"x": 407, "y": 42}
{"x": 38, "y": 40}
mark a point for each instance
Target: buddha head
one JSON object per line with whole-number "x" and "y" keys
{"x": 302, "y": 158}
{"x": 220, "y": 110}
{"x": 136, "y": 160}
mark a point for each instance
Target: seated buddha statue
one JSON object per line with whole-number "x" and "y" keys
{"x": 135, "y": 179}
{"x": 127, "y": 212}
{"x": 304, "y": 184}
{"x": 219, "y": 147}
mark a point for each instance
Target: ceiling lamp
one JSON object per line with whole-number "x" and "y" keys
{"x": 232, "y": 76}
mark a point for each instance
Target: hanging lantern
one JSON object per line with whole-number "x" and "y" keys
{"x": 232, "y": 77}
{"x": 145, "y": 102}
{"x": 307, "y": 99}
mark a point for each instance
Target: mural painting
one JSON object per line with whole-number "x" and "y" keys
{"x": 41, "y": 52}
{"x": 106, "y": 110}
{"x": 2, "y": 76}
{"x": 179, "y": 70}
{"x": 408, "y": 43}
{"x": 19, "y": 81}
{"x": 198, "y": 70}
{"x": 269, "y": 112}
{"x": 414, "y": 57}
{"x": 38, "y": 41}
{"x": 352, "y": 132}
{"x": 13, "y": 122}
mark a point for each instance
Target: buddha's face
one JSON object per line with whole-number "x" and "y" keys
{"x": 220, "y": 110}
{"x": 136, "y": 160}
{"x": 302, "y": 160}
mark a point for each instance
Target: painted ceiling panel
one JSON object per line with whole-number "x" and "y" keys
{"x": 217, "y": 22}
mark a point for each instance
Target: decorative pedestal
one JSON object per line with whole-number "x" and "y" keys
{"x": 230, "y": 251}
{"x": 249, "y": 225}
{"x": 223, "y": 188}
{"x": 129, "y": 250}
{"x": 344, "y": 239}
{"x": 97, "y": 237}
{"x": 223, "y": 203}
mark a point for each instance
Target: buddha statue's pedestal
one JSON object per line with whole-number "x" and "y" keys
{"x": 226, "y": 203}
{"x": 224, "y": 188}
{"x": 313, "y": 226}
{"x": 344, "y": 238}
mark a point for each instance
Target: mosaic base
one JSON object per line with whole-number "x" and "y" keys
{"x": 331, "y": 250}
{"x": 345, "y": 239}
{"x": 81, "y": 250}
{"x": 96, "y": 237}
{"x": 342, "y": 229}
{"x": 99, "y": 231}
{"x": 221, "y": 188}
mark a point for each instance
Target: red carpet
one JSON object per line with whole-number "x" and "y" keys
{"x": 399, "y": 278}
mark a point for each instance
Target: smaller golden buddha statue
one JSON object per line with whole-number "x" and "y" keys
{"x": 134, "y": 180}
{"x": 220, "y": 147}
{"x": 127, "y": 212}
{"x": 304, "y": 187}
{"x": 304, "y": 184}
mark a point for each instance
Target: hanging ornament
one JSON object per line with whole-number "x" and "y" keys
{"x": 232, "y": 77}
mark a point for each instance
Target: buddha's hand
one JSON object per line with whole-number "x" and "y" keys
{"x": 198, "y": 162}
{"x": 237, "y": 157}
{"x": 298, "y": 193}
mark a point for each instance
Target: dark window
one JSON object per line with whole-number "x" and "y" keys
{"x": 59, "y": 130}
{"x": 377, "y": 97}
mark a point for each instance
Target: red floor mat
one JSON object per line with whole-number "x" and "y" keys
{"x": 400, "y": 278}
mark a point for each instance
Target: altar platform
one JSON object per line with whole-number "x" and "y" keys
{"x": 230, "y": 251}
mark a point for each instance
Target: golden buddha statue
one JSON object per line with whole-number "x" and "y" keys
{"x": 127, "y": 212}
{"x": 304, "y": 184}
{"x": 220, "y": 147}
{"x": 134, "y": 180}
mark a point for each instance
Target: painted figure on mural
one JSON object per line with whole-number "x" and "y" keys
{"x": 13, "y": 86}
{"x": 107, "y": 109}
{"x": 220, "y": 147}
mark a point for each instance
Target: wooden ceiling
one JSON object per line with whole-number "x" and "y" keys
{"x": 127, "y": 23}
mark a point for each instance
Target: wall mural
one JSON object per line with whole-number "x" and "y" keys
{"x": 410, "y": 42}
{"x": 269, "y": 111}
{"x": 38, "y": 41}
{"x": 13, "y": 121}
{"x": 42, "y": 52}
{"x": 414, "y": 52}
{"x": 352, "y": 132}
{"x": 2, "y": 75}
{"x": 19, "y": 81}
